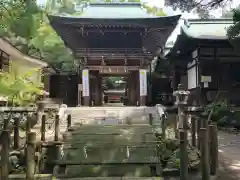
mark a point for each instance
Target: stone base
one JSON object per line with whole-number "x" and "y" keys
{"x": 86, "y": 101}
{"x": 142, "y": 101}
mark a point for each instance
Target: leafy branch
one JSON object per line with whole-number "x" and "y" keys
{"x": 20, "y": 90}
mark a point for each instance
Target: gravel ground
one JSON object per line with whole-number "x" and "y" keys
{"x": 229, "y": 156}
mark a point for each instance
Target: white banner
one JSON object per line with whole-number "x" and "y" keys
{"x": 143, "y": 82}
{"x": 85, "y": 82}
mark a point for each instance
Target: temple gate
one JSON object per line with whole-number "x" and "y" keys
{"x": 114, "y": 44}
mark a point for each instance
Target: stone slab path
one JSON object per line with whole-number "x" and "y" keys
{"x": 229, "y": 156}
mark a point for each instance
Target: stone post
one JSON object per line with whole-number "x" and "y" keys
{"x": 213, "y": 135}
{"x": 5, "y": 150}
{"x": 43, "y": 128}
{"x": 204, "y": 154}
{"x": 181, "y": 102}
{"x": 57, "y": 128}
{"x": 31, "y": 143}
{"x": 69, "y": 121}
{"x": 194, "y": 130}
{"x": 150, "y": 116}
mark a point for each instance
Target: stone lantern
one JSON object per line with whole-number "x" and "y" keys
{"x": 181, "y": 96}
{"x": 181, "y": 101}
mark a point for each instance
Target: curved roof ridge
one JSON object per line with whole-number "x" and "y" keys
{"x": 64, "y": 17}
{"x": 197, "y": 28}
{"x": 116, "y": 3}
{"x": 208, "y": 21}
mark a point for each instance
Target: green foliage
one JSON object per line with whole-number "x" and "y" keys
{"x": 26, "y": 26}
{"x": 199, "y": 6}
{"x": 20, "y": 90}
{"x": 110, "y": 82}
{"x": 220, "y": 109}
{"x": 234, "y": 31}
{"x": 19, "y": 19}
{"x": 49, "y": 47}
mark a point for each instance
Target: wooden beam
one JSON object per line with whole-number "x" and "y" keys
{"x": 106, "y": 30}
{"x": 103, "y": 67}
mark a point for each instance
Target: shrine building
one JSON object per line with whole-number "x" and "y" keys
{"x": 206, "y": 61}
{"x": 113, "y": 39}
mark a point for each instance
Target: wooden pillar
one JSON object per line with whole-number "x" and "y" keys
{"x": 126, "y": 102}
{"x": 132, "y": 89}
{"x": 130, "y": 97}
{"x": 46, "y": 72}
{"x": 142, "y": 79}
{"x": 86, "y": 87}
{"x": 100, "y": 90}
{"x": 80, "y": 93}
{"x": 16, "y": 133}
{"x": 98, "y": 93}
{"x": 92, "y": 84}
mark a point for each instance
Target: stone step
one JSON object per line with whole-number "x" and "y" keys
{"x": 81, "y": 141}
{"x": 36, "y": 176}
{"x": 108, "y": 171}
{"x": 99, "y": 143}
{"x": 91, "y": 134}
{"x": 114, "y": 178}
{"x": 110, "y": 128}
{"x": 110, "y": 154}
{"x": 117, "y": 115}
{"x": 107, "y": 120}
{"x": 92, "y": 111}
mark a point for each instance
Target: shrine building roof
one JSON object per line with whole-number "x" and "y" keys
{"x": 206, "y": 29}
{"x": 198, "y": 31}
{"x": 104, "y": 17}
{"x": 112, "y": 11}
{"x": 116, "y": 10}
{"x": 114, "y": 14}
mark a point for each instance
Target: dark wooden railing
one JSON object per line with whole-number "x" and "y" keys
{"x": 115, "y": 53}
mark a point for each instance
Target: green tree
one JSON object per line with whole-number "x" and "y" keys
{"x": 203, "y": 8}
{"x": 19, "y": 89}
{"x": 49, "y": 47}
{"x": 234, "y": 31}
{"x": 26, "y": 26}
{"x": 19, "y": 20}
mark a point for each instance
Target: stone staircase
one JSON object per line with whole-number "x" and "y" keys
{"x": 110, "y": 115}
{"x": 102, "y": 143}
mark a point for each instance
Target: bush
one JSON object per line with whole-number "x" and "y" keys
{"x": 220, "y": 109}
{"x": 20, "y": 90}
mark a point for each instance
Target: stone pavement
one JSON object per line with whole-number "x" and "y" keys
{"x": 229, "y": 156}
